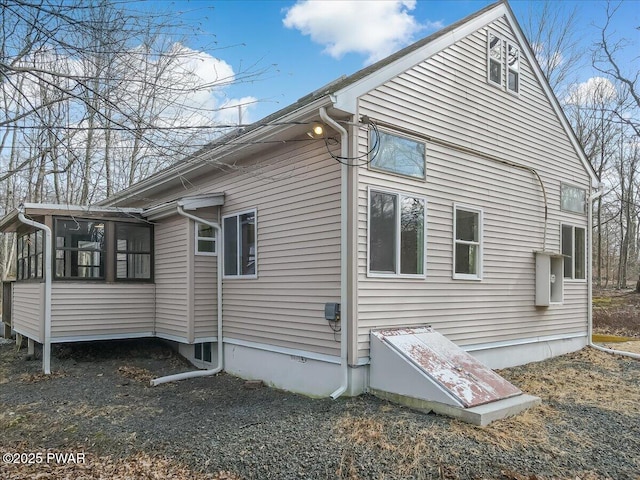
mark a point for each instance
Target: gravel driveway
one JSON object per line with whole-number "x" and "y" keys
{"x": 98, "y": 401}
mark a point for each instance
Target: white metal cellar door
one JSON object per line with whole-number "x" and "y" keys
{"x": 449, "y": 374}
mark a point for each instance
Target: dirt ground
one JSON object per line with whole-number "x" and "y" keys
{"x": 96, "y": 417}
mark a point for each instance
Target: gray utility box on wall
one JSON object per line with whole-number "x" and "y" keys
{"x": 549, "y": 278}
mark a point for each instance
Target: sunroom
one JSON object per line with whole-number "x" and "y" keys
{"x": 99, "y": 284}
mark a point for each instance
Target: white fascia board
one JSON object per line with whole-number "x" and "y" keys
{"x": 346, "y": 99}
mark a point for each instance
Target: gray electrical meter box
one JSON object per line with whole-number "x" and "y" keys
{"x": 332, "y": 312}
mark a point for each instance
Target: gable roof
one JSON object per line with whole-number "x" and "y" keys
{"x": 342, "y": 94}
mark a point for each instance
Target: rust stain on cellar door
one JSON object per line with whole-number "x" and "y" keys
{"x": 460, "y": 374}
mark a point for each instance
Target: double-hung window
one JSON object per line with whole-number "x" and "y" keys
{"x": 205, "y": 239}
{"x": 513, "y": 68}
{"x": 574, "y": 250}
{"x": 239, "y": 244}
{"x": 397, "y": 234}
{"x": 495, "y": 53}
{"x": 80, "y": 249}
{"x": 467, "y": 241}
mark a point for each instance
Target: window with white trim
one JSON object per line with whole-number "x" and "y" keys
{"x": 495, "y": 52}
{"x": 397, "y": 234}
{"x": 205, "y": 239}
{"x": 574, "y": 250}
{"x": 467, "y": 243}
{"x": 240, "y": 243}
{"x": 399, "y": 155}
{"x": 573, "y": 199}
{"x": 503, "y": 56}
{"x": 513, "y": 68}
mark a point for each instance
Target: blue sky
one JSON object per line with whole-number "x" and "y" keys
{"x": 304, "y": 44}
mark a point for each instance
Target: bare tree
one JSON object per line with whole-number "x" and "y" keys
{"x": 553, "y": 32}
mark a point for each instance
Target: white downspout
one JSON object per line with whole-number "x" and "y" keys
{"x": 344, "y": 152}
{"x": 46, "y": 344}
{"x": 203, "y": 373}
{"x": 590, "y": 286}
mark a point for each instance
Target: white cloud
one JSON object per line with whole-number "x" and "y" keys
{"x": 596, "y": 90}
{"x": 374, "y": 28}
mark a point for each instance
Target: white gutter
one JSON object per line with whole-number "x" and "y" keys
{"x": 590, "y": 286}
{"x": 344, "y": 225}
{"x": 203, "y": 373}
{"x": 46, "y": 344}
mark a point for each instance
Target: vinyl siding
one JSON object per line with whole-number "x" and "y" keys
{"x": 101, "y": 309}
{"x": 28, "y": 309}
{"x": 295, "y": 189}
{"x": 449, "y": 98}
{"x": 205, "y": 271}
{"x": 173, "y": 277}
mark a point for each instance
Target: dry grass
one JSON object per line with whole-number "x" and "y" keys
{"x": 139, "y": 466}
{"x": 39, "y": 377}
{"x": 593, "y": 387}
{"x": 632, "y": 347}
{"x": 136, "y": 373}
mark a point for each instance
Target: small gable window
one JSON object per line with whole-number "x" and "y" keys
{"x": 494, "y": 53}
{"x": 513, "y": 68}
{"x": 503, "y": 56}
{"x": 400, "y": 155}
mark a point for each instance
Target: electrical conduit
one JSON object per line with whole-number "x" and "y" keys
{"x": 46, "y": 344}
{"x": 344, "y": 152}
{"x": 203, "y": 373}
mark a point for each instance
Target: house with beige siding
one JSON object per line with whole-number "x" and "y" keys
{"x": 438, "y": 190}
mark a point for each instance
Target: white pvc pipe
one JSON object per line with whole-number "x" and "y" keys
{"x": 219, "y": 367}
{"x": 46, "y": 344}
{"x": 590, "y": 287}
{"x": 344, "y": 257}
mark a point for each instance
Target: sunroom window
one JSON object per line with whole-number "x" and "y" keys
{"x": 239, "y": 237}
{"x": 80, "y": 249}
{"x": 467, "y": 252}
{"x": 399, "y": 155}
{"x": 133, "y": 252}
{"x": 30, "y": 255}
{"x": 397, "y": 226}
{"x": 574, "y": 247}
